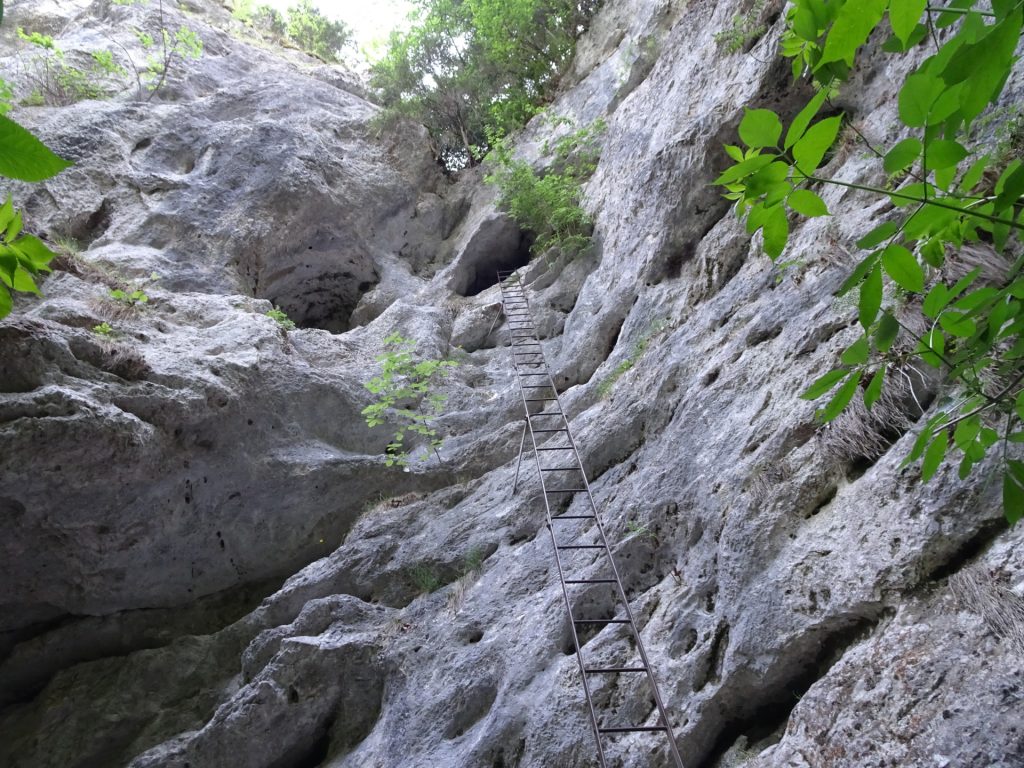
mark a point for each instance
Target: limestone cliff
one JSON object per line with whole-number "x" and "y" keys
{"x": 206, "y": 563}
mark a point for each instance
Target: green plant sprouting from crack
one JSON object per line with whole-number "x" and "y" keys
{"x": 406, "y": 398}
{"x": 278, "y": 315}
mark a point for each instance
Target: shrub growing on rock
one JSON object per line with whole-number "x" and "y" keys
{"x": 548, "y": 203}
{"x": 406, "y": 398}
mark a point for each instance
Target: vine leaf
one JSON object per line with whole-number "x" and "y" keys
{"x": 901, "y": 266}
{"x": 903, "y": 16}
{"x": 24, "y": 157}
{"x": 809, "y": 151}
{"x": 851, "y": 29}
{"x": 760, "y": 128}
{"x": 902, "y": 155}
{"x": 807, "y": 203}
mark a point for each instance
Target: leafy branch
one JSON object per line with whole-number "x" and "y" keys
{"x": 973, "y": 327}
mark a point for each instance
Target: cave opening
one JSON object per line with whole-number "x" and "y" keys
{"x": 482, "y": 272}
{"x": 321, "y": 292}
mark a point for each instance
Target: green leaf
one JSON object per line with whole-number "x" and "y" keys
{"x": 957, "y": 325}
{"x": 974, "y": 173}
{"x": 6, "y": 213}
{"x": 35, "y": 251}
{"x": 919, "y": 92}
{"x": 776, "y": 232}
{"x": 1013, "y": 491}
{"x": 856, "y": 353}
{"x": 1019, "y": 405}
{"x": 966, "y": 432}
{"x": 886, "y": 332}
{"x": 6, "y": 304}
{"x": 807, "y": 203}
{"x": 841, "y": 400}
{"x": 944, "y": 154}
{"x": 799, "y": 125}
{"x": 934, "y": 455}
{"x": 936, "y": 300}
{"x": 901, "y": 266}
{"x": 870, "y": 300}
{"x": 865, "y": 266}
{"x": 1010, "y": 187}
{"x": 23, "y": 282}
{"x": 823, "y": 384}
{"x": 13, "y": 227}
{"x": 746, "y": 168}
{"x": 878, "y": 235}
{"x": 874, "y": 390}
{"x": 851, "y": 29}
{"x": 23, "y": 156}
{"x": 809, "y": 151}
{"x": 904, "y": 15}
{"x": 905, "y": 153}
{"x": 760, "y": 128}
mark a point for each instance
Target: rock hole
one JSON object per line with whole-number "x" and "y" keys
{"x": 293, "y": 695}
{"x": 824, "y": 499}
{"x": 467, "y": 707}
{"x": 710, "y": 377}
{"x": 324, "y": 290}
{"x": 761, "y": 335}
{"x": 142, "y": 144}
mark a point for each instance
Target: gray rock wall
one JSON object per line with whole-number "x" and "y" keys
{"x": 206, "y": 563}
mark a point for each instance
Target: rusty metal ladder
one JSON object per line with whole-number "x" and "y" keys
{"x": 561, "y": 459}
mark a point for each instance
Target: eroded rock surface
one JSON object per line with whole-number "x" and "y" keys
{"x": 205, "y": 561}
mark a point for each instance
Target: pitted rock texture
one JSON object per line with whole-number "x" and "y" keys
{"x": 805, "y": 601}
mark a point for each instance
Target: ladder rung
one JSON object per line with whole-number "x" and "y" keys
{"x": 566, "y": 490}
{"x": 580, "y": 546}
{"x": 556, "y": 447}
{"x": 559, "y": 469}
{"x": 632, "y": 728}
{"x": 542, "y": 399}
{"x": 590, "y": 581}
{"x": 612, "y": 670}
{"x": 600, "y": 621}
{"x": 573, "y": 517}
{"x": 535, "y": 415}
{"x": 560, "y": 429}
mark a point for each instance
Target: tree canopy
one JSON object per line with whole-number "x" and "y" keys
{"x": 471, "y": 70}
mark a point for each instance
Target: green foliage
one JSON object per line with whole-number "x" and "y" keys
{"x": 53, "y": 80}
{"x": 425, "y": 579}
{"x": 22, "y": 256}
{"x": 406, "y": 398}
{"x": 129, "y": 298}
{"x": 742, "y": 29}
{"x": 6, "y": 94}
{"x": 315, "y": 33}
{"x": 103, "y": 329}
{"x": 278, "y": 315}
{"x": 548, "y": 204}
{"x": 136, "y": 296}
{"x": 472, "y": 70}
{"x": 605, "y": 387}
{"x": 947, "y": 200}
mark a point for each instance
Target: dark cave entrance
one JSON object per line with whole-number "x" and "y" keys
{"x": 322, "y": 289}
{"x": 499, "y": 243}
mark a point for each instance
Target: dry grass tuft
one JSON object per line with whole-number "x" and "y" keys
{"x": 981, "y": 592}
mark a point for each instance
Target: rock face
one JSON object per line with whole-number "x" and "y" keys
{"x": 205, "y": 561}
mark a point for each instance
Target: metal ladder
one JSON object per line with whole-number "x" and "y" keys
{"x": 537, "y": 390}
